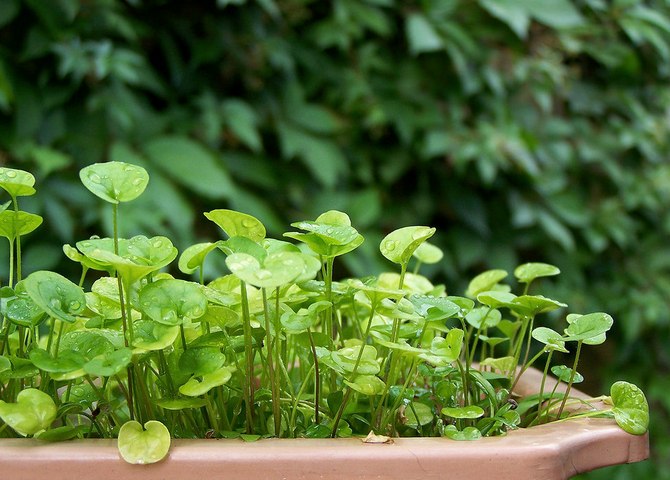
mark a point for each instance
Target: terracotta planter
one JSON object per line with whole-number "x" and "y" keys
{"x": 547, "y": 452}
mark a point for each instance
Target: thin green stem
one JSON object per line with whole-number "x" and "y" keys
{"x": 572, "y": 377}
{"x": 249, "y": 358}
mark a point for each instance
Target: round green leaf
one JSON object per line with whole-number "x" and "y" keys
{"x": 418, "y": 414}
{"x": 564, "y": 373}
{"x": 14, "y": 224}
{"x": 137, "y": 257}
{"x": 55, "y": 294}
{"x": 505, "y": 365}
{"x": 588, "y": 327}
{"x": 172, "y": 301}
{"x": 531, "y": 305}
{"x": 484, "y": 282}
{"x": 467, "y": 434}
{"x": 434, "y": 308}
{"x": 470, "y": 411}
{"x": 18, "y": 183}
{"x": 199, "y": 385}
{"x": 528, "y": 272}
{"x": 67, "y": 361}
{"x": 22, "y": 310}
{"x": 139, "y": 445}
{"x": 115, "y": 182}
{"x": 630, "y": 407}
{"x": 428, "y": 253}
{"x": 150, "y": 335}
{"x": 194, "y": 256}
{"x": 551, "y": 339}
{"x": 483, "y": 317}
{"x": 237, "y": 224}
{"x": 109, "y": 364}
{"x": 33, "y": 412}
{"x": 277, "y": 269}
{"x": 367, "y": 385}
{"x": 201, "y": 360}
{"x": 399, "y": 245}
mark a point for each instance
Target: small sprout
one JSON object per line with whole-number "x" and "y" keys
{"x": 590, "y": 328}
{"x": 146, "y": 445}
{"x": 277, "y": 268}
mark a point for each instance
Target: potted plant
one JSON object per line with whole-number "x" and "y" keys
{"x": 279, "y": 349}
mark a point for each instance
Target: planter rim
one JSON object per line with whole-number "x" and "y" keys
{"x": 554, "y": 451}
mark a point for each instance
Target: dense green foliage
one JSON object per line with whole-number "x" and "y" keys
{"x": 524, "y": 130}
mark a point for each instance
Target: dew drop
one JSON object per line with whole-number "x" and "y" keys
{"x": 137, "y": 182}
{"x": 75, "y": 305}
{"x": 95, "y": 178}
{"x": 55, "y": 303}
{"x": 263, "y": 274}
{"x": 417, "y": 235}
{"x": 10, "y": 174}
{"x": 157, "y": 243}
{"x": 390, "y": 245}
{"x": 248, "y": 223}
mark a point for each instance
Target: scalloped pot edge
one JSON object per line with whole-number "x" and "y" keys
{"x": 549, "y": 452}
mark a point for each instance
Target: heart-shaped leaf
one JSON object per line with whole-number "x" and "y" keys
{"x": 399, "y": 245}
{"x": 14, "y": 224}
{"x": 115, "y": 182}
{"x": 505, "y": 365}
{"x": 172, "y": 301}
{"x": 630, "y": 407}
{"x": 139, "y": 445}
{"x": 18, "y": 183}
{"x": 589, "y": 328}
{"x": 33, "y": 412}
{"x": 55, "y": 294}
{"x": 444, "y": 350}
{"x": 237, "y": 224}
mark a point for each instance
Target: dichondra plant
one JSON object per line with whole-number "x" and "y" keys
{"x": 143, "y": 350}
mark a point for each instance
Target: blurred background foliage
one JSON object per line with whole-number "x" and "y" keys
{"x": 524, "y": 130}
